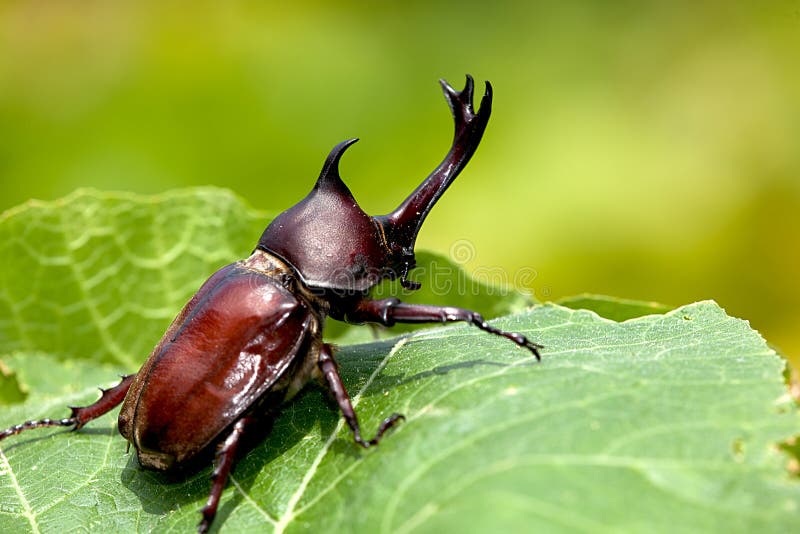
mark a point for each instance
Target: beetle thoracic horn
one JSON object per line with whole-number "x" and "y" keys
{"x": 404, "y": 223}
{"x": 330, "y": 170}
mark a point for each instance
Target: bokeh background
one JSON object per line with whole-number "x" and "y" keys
{"x": 648, "y": 150}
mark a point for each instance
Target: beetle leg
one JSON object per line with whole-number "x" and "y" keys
{"x": 391, "y": 311}
{"x": 223, "y": 462}
{"x": 331, "y": 373}
{"x": 80, "y": 414}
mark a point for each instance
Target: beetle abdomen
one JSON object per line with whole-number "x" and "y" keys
{"x": 230, "y": 343}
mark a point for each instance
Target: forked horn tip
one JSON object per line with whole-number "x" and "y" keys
{"x": 486, "y": 101}
{"x": 447, "y": 88}
{"x": 468, "y": 87}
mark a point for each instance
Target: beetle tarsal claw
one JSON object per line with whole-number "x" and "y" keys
{"x": 387, "y": 423}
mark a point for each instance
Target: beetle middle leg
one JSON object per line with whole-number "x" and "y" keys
{"x": 223, "y": 462}
{"x": 331, "y": 373}
{"x": 80, "y": 414}
{"x": 390, "y": 311}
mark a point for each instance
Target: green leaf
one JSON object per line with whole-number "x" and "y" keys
{"x": 613, "y": 308}
{"x": 10, "y": 389}
{"x": 100, "y": 275}
{"x": 660, "y": 423}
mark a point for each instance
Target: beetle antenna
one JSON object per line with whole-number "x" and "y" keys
{"x": 405, "y": 282}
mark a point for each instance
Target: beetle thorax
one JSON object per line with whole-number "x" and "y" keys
{"x": 327, "y": 238}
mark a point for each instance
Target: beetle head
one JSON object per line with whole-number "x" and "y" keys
{"x": 334, "y": 245}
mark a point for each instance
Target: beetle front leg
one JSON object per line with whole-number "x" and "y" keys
{"x": 80, "y": 414}
{"x": 390, "y": 311}
{"x": 331, "y": 373}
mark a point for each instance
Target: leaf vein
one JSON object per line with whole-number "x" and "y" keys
{"x": 26, "y": 506}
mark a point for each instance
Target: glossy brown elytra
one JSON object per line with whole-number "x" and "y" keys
{"x": 251, "y": 337}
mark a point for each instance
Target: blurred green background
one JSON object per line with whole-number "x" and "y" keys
{"x": 648, "y": 150}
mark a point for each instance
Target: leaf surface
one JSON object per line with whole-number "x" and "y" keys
{"x": 613, "y": 308}
{"x": 659, "y": 423}
{"x": 10, "y": 389}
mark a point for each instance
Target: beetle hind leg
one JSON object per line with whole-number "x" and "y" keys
{"x": 80, "y": 414}
{"x": 329, "y": 370}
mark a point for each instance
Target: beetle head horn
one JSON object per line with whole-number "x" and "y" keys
{"x": 333, "y": 244}
{"x": 403, "y": 224}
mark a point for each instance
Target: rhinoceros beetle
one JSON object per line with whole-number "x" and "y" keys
{"x": 251, "y": 337}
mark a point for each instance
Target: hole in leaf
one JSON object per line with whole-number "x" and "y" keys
{"x": 738, "y": 449}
